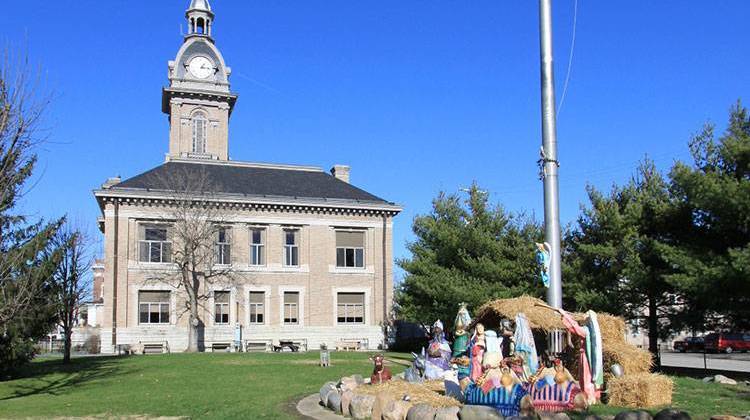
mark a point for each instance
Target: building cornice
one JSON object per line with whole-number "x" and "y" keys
{"x": 134, "y": 196}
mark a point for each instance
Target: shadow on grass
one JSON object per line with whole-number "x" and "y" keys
{"x": 52, "y": 377}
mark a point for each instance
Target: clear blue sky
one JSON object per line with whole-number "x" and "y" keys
{"x": 417, "y": 96}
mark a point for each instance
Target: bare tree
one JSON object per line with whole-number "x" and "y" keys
{"x": 197, "y": 222}
{"x": 71, "y": 281}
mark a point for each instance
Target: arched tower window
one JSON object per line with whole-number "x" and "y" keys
{"x": 200, "y": 124}
{"x": 200, "y": 26}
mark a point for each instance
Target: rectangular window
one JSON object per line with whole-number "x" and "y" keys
{"x": 350, "y": 249}
{"x": 153, "y": 307}
{"x": 257, "y": 307}
{"x": 223, "y": 246}
{"x": 291, "y": 247}
{"x": 291, "y": 308}
{"x": 154, "y": 243}
{"x": 221, "y": 307}
{"x": 257, "y": 246}
{"x": 350, "y": 308}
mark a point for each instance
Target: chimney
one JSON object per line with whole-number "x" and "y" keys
{"x": 341, "y": 172}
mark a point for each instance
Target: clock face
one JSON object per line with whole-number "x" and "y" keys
{"x": 201, "y": 67}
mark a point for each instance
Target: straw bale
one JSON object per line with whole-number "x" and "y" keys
{"x": 641, "y": 390}
{"x": 632, "y": 359}
{"x": 539, "y": 318}
{"x": 430, "y": 392}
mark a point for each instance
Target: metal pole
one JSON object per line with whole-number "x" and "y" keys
{"x": 549, "y": 154}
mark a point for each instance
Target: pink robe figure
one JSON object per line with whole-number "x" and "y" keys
{"x": 477, "y": 354}
{"x": 584, "y": 369}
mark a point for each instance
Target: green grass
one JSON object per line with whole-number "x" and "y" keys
{"x": 231, "y": 385}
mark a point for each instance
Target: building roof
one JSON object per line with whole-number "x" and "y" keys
{"x": 253, "y": 180}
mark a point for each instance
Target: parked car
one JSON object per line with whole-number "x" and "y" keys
{"x": 689, "y": 344}
{"x": 727, "y": 342}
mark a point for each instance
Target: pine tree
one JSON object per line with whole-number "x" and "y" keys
{"x": 466, "y": 252}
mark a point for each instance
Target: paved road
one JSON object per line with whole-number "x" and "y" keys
{"x": 736, "y": 362}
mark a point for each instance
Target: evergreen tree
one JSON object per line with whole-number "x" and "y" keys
{"x": 466, "y": 252}
{"x": 26, "y": 258}
{"x": 713, "y": 255}
{"x": 615, "y": 258}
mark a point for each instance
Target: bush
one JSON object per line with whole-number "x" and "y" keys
{"x": 93, "y": 344}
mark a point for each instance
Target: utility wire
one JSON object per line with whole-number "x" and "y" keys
{"x": 570, "y": 57}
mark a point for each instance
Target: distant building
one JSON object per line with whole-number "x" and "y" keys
{"x": 311, "y": 254}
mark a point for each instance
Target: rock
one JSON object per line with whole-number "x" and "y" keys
{"x": 447, "y": 413}
{"x": 361, "y": 406}
{"x": 396, "y": 410}
{"x": 671, "y": 414}
{"x": 359, "y": 379}
{"x": 346, "y": 401}
{"x": 479, "y": 412}
{"x": 708, "y": 379}
{"x": 334, "y": 401}
{"x": 521, "y": 418}
{"x": 381, "y": 402}
{"x": 324, "y": 390}
{"x": 726, "y": 417}
{"x": 633, "y": 415}
{"x": 348, "y": 383}
{"x": 421, "y": 412}
{"x": 544, "y": 415}
{"x": 721, "y": 379}
{"x": 592, "y": 417}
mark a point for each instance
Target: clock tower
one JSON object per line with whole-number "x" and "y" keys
{"x": 198, "y": 100}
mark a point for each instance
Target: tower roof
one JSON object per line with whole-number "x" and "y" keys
{"x": 199, "y": 5}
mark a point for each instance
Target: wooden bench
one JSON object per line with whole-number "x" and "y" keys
{"x": 223, "y": 346}
{"x": 155, "y": 347}
{"x": 291, "y": 345}
{"x": 348, "y": 345}
{"x": 257, "y": 345}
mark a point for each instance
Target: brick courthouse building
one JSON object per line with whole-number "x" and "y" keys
{"x": 310, "y": 254}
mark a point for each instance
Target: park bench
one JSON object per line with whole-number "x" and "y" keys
{"x": 351, "y": 344}
{"x": 155, "y": 347}
{"x": 257, "y": 345}
{"x": 221, "y": 346}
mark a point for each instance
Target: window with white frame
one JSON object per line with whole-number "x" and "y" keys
{"x": 257, "y": 307}
{"x": 350, "y": 308}
{"x": 154, "y": 243}
{"x": 291, "y": 308}
{"x": 291, "y": 247}
{"x": 257, "y": 246}
{"x": 223, "y": 246}
{"x": 153, "y": 307}
{"x": 350, "y": 249}
{"x": 200, "y": 124}
{"x": 221, "y": 307}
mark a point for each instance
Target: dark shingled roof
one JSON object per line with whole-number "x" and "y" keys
{"x": 251, "y": 180}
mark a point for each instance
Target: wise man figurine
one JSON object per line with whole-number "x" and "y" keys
{"x": 460, "y": 355}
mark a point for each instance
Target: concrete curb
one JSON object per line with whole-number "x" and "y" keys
{"x": 310, "y": 407}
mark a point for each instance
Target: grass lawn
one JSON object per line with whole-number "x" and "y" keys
{"x": 231, "y": 385}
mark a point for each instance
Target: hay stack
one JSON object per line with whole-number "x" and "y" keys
{"x": 430, "y": 392}
{"x": 615, "y": 348}
{"x": 641, "y": 390}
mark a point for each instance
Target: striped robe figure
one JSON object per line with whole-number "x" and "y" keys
{"x": 508, "y": 403}
{"x": 555, "y": 397}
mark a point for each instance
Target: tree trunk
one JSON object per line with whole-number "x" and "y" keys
{"x": 194, "y": 321}
{"x": 653, "y": 330}
{"x": 67, "y": 332}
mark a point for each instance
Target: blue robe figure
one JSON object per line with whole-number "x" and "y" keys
{"x": 543, "y": 259}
